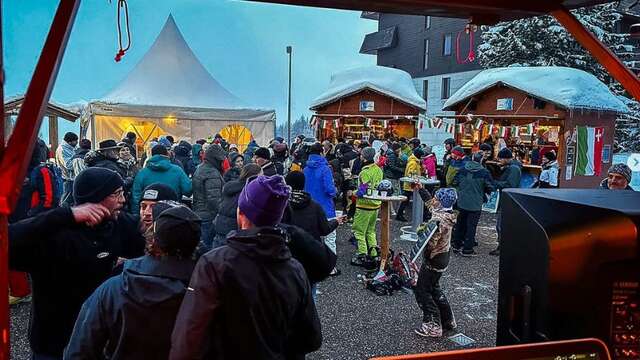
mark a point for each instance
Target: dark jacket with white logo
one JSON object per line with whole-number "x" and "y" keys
{"x": 67, "y": 262}
{"x": 130, "y": 316}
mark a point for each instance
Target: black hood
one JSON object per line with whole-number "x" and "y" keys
{"x": 265, "y": 243}
{"x": 232, "y": 188}
{"x": 149, "y": 280}
{"x": 299, "y": 200}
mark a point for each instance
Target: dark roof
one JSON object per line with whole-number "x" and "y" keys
{"x": 483, "y": 12}
{"x": 371, "y": 15}
{"x": 12, "y": 106}
{"x": 379, "y": 40}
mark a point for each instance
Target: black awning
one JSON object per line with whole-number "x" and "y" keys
{"x": 379, "y": 40}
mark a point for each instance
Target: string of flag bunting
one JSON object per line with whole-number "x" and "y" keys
{"x": 478, "y": 124}
{"x": 369, "y": 122}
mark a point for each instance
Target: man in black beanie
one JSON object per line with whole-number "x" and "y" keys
{"x": 131, "y": 315}
{"x": 150, "y": 197}
{"x": 262, "y": 157}
{"x": 69, "y": 252}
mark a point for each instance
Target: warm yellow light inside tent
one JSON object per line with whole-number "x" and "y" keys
{"x": 238, "y": 135}
{"x": 170, "y": 120}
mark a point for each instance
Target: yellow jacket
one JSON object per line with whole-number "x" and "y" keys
{"x": 413, "y": 168}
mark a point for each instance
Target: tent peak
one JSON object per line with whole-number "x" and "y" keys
{"x": 170, "y": 74}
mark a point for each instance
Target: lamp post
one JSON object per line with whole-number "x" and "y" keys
{"x": 290, "y": 52}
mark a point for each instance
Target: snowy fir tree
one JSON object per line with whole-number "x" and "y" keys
{"x": 299, "y": 127}
{"x": 542, "y": 41}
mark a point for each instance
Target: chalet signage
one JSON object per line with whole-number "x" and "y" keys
{"x": 367, "y": 106}
{"x": 504, "y": 104}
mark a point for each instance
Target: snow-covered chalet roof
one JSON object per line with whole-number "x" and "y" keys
{"x": 170, "y": 74}
{"x": 391, "y": 82}
{"x": 566, "y": 87}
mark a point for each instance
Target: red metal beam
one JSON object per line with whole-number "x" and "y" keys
{"x": 15, "y": 158}
{"x": 606, "y": 57}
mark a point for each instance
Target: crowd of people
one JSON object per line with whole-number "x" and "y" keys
{"x": 200, "y": 250}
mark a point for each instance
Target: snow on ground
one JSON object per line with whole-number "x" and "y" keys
{"x": 570, "y": 88}
{"x": 393, "y": 82}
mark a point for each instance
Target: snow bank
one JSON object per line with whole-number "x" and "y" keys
{"x": 392, "y": 82}
{"x": 567, "y": 87}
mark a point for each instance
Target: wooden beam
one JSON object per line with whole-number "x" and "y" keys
{"x": 604, "y": 55}
{"x": 16, "y": 157}
{"x": 53, "y": 132}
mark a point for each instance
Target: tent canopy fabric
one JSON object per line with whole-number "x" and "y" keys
{"x": 170, "y": 92}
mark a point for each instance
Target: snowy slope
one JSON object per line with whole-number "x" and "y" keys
{"x": 392, "y": 82}
{"x": 170, "y": 74}
{"x": 567, "y": 87}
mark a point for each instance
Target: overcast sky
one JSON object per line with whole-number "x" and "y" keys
{"x": 242, "y": 44}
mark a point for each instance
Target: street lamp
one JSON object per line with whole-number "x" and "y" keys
{"x": 290, "y": 52}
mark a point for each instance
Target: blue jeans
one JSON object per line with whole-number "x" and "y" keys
{"x": 67, "y": 193}
{"x": 206, "y": 237}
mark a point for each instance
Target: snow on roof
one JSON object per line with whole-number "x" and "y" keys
{"x": 170, "y": 74}
{"x": 392, "y": 82}
{"x": 567, "y": 87}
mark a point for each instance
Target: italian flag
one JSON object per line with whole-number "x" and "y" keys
{"x": 461, "y": 128}
{"x": 478, "y": 124}
{"x": 369, "y": 122}
{"x": 504, "y": 131}
{"x": 589, "y": 150}
{"x": 449, "y": 128}
{"x": 491, "y": 126}
{"x": 437, "y": 122}
{"x": 336, "y": 123}
{"x": 530, "y": 129}
{"x": 515, "y": 130}
{"x": 386, "y": 123}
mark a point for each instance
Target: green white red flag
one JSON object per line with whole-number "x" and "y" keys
{"x": 461, "y": 128}
{"x": 369, "y": 122}
{"x": 504, "y": 131}
{"x": 478, "y": 123}
{"x": 449, "y": 128}
{"x": 589, "y": 150}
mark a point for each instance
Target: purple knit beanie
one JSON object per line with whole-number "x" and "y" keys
{"x": 264, "y": 199}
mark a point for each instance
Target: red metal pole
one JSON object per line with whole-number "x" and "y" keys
{"x": 15, "y": 158}
{"x": 606, "y": 57}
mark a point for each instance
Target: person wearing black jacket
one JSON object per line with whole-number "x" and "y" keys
{"x": 250, "y": 299}
{"x": 226, "y": 221}
{"x": 131, "y": 316}
{"x": 262, "y": 157}
{"x": 69, "y": 252}
{"x": 302, "y": 208}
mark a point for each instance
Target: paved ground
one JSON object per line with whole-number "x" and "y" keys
{"x": 357, "y": 324}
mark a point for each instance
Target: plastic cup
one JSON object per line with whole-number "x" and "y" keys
{"x": 383, "y": 193}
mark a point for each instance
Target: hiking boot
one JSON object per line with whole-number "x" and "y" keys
{"x": 430, "y": 329}
{"x": 358, "y": 260}
{"x": 495, "y": 252}
{"x": 455, "y": 249}
{"x": 469, "y": 253}
{"x": 401, "y": 218}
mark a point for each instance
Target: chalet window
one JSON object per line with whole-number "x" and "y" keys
{"x": 539, "y": 104}
{"x": 426, "y": 54}
{"x": 446, "y": 45}
{"x": 446, "y": 88}
{"x": 427, "y": 22}
{"x": 425, "y": 89}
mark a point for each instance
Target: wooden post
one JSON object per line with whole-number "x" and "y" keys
{"x": 53, "y": 132}
{"x": 384, "y": 234}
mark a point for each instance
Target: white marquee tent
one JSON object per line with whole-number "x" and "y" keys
{"x": 170, "y": 92}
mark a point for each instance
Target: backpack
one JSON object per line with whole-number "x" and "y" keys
{"x": 57, "y": 183}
